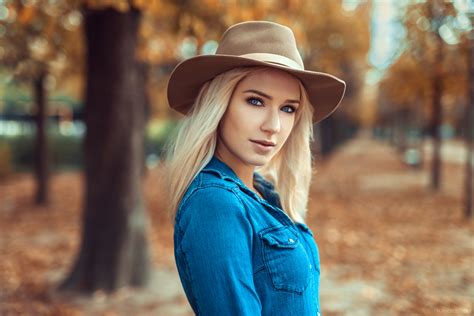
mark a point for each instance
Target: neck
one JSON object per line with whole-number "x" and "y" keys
{"x": 242, "y": 170}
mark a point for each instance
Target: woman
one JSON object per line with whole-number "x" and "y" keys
{"x": 240, "y": 170}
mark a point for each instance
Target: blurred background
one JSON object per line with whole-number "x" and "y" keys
{"x": 84, "y": 120}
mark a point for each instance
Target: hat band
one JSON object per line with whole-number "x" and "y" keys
{"x": 273, "y": 58}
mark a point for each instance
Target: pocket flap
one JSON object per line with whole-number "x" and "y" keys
{"x": 282, "y": 237}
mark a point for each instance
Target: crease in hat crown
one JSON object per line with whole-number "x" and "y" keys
{"x": 261, "y": 40}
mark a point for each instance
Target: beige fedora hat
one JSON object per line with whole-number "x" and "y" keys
{"x": 254, "y": 43}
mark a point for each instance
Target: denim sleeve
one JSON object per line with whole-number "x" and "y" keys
{"x": 216, "y": 247}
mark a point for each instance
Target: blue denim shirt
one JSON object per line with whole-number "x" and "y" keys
{"x": 239, "y": 254}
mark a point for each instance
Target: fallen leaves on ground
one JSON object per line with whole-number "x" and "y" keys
{"x": 370, "y": 214}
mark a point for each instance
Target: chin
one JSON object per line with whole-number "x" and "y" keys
{"x": 258, "y": 160}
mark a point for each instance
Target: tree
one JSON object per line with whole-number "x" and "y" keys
{"x": 435, "y": 14}
{"x": 35, "y": 47}
{"x": 403, "y": 94}
{"x": 429, "y": 71}
{"x": 469, "y": 127}
{"x": 114, "y": 249}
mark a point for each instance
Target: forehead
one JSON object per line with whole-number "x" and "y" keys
{"x": 274, "y": 82}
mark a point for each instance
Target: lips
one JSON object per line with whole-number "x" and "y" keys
{"x": 263, "y": 142}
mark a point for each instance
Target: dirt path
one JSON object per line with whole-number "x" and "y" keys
{"x": 390, "y": 246}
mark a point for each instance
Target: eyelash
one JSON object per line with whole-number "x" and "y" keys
{"x": 250, "y": 99}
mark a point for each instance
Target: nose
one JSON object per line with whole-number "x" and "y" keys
{"x": 272, "y": 122}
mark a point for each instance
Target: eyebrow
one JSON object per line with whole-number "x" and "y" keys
{"x": 269, "y": 97}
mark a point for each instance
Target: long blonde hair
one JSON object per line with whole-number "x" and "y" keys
{"x": 193, "y": 146}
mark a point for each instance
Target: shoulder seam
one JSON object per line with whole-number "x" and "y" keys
{"x": 231, "y": 189}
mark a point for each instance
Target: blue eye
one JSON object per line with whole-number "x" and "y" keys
{"x": 255, "y": 101}
{"x": 291, "y": 109}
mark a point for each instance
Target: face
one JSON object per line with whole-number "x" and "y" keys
{"x": 260, "y": 117}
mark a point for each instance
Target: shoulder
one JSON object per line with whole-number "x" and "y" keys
{"x": 209, "y": 199}
{"x": 215, "y": 211}
{"x": 208, "y": 182}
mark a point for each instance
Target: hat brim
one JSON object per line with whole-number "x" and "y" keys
{"x": 325, "y": 91}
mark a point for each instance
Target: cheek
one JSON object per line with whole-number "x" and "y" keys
{"x": 287, "y": 125}
{"x": 233, "y": 128}
{"x": 242, "y": 119}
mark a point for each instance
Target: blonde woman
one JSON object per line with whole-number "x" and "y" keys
{"x": 240, "y": 171}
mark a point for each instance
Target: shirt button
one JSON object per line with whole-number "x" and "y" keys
{"x": 291, "y": 240}
{"x": 318, "y": 314}
{"x": 310, "y": 266}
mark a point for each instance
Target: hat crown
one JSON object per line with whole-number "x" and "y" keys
{"x": 260, "y": 37}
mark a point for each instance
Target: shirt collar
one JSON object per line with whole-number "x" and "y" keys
{"x": 224, "y": 171}
{"x": 218, "y": 167}
{"x": 221, "y": 169}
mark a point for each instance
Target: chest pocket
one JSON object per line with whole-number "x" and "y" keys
{"x": 285, "y": 260}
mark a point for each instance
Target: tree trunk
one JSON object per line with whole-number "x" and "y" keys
{"x": 402, "y": 127}
{"x": 393, "y": 130}
{"x": 419, "y": 145}
{"x": 435, "y": 132}
{"x": 469, "y": 126}
{"x": 114, "y": 249}
{"x": 436, "y": 100}
{"x": 41, "y": 145}
{"x": 468, "y": 187}
{"x": 328, "y": 135}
